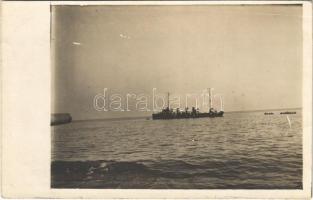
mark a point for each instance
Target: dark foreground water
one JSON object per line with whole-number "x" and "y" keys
{"x": 238, "y": 151}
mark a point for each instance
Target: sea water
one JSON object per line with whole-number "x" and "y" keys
{"x": 247, "y": 150}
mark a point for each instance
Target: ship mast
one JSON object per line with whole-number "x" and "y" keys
{"x": 168, "y": 100}
{"x": 222, "y": 106}
{"x": 210, "y": 98}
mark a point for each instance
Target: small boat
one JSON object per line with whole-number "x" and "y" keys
{"x": 268, "y": 113}
{"x": 288, "y": 113}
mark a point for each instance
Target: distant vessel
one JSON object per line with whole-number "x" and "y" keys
{"x": 169, "y": 113}
{"x": 60, "y": 118}
{"x": 288, "y": 113}
{"x": 268, "y": 113}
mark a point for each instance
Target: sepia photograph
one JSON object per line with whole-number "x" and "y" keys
{"x": 177, "y": 96}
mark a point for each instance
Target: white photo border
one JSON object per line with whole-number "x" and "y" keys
{"x": 26, "y": 92}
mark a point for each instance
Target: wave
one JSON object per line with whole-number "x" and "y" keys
{"x": 167, "y": 168}
{"x": 113, "y": 173}
{"x": 147, "y": 173}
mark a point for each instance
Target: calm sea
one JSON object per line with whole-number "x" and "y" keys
{"x": 239, "y": 151}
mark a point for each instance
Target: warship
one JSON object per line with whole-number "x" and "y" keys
{"x": 169, "y": 113}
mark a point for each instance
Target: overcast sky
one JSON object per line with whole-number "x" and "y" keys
{"x": 250, "y": 54}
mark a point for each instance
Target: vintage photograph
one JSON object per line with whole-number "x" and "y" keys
{"x": 177, "y": 96}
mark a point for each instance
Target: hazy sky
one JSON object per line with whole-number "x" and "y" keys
{"x": 250, "y": 54}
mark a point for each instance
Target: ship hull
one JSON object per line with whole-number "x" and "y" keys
{"x": 166, "y": 116}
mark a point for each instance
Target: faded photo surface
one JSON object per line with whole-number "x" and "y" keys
{"x": 176, "y": 97}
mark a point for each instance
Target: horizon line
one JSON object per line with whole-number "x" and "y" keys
{"x": 141, "y": 117}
